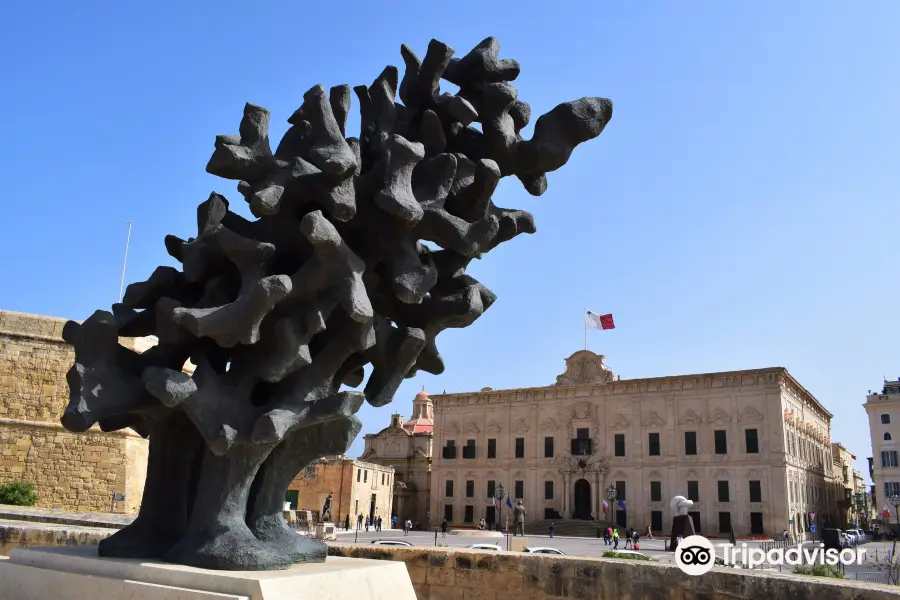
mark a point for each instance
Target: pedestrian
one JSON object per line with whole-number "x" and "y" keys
{"x": 635, "y": 538}
{"x": 347, "y": 523}
{"x": 378, "y": 527}
{"x": 552, "y": 527}
{"x": 367, "y": 523}
{"x": 359, "y": 521}
{"x": 615, "y": 538}
{"x": 394, "y": 522}
{"x": 444, "y": 528}
{"x": 678, "y": 541}
{"x": 607, "y": 536}
{"x": 629, "y": 537}
{"x": 784, "y": 536}
{"x": 649, "y": 532}
{"x": 407, "y": 525}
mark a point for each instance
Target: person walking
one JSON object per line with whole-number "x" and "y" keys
{"x": 379, "y": 524}
{"x": 367, "y": 523}
{"x": 629, "y": 538}
{"x": 359, "y": 521}
{"x": 784, "y": 536}
{"x": 407, "y": 525}
{"x": 444, "y": 528}
{"x": 649, "y": 532}
{"x": 635, "y": 538}
{"x": 615, "y": 538}
{"x": 607, "y": 536}
{"x": 394, "y": 522}
{"x": 347, "y": 523}
{"x": 552, "y": 527}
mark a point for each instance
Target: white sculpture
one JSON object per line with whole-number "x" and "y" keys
{"x": 679, "y": 506}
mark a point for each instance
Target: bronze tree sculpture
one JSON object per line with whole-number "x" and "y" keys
{"x": 282, "y": 313}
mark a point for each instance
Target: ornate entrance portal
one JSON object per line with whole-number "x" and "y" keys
{"x": 582, "y": 499}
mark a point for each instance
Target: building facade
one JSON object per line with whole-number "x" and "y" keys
{"x": 407, "y": 448}
{"x": 356, "y": 488}
{"x": 750, "y": 448}
{"x": 883, "y": 411}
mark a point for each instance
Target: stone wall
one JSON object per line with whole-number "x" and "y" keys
{"x": 352, "y": 485}
{"x": 442, "y": 574}
{"x": 70, "y": 471}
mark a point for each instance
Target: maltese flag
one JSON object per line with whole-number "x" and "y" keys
{"x": 595, "y": 321}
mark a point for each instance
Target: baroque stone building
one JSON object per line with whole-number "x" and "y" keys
{"x": 356, "y": 487}
{"x": 883, "y": 410}
{"x": 407, "y": 447}
{"x": 751, "y": 448}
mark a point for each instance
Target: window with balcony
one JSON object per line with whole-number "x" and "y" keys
{"x": 448, "y": 452}
{"x": 693, "y": 491}
{"x": 885, "y": 419}
{"x": 619, "y": 442}
{"x": 888, "y": 458}
{"x": 655, "y": 491}
{"x": 723, "y": 491}
{"x": 548, "y": 447}
{"x": 690, "y": 443}
{"x": 721, "y": 441}
{"x": 653, "y": 444}
{"x": 752, "y": 439}
{"x": 519, "y": 489}
{"x": 492, "y": 448}
{"x": 755, "y": 491}
{"x": 470, "y": 488}
{"x": 582, "y": 447}
{"x": 448, "y": 488}
{"x": 548, "y": 490}
{"x": 520, "y": 447}
{"x": 469, "y": 449}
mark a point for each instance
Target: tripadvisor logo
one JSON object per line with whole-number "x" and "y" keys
{"x": 696, "y": 556}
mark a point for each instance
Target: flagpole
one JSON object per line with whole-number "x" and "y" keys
{"x": 584, "y": 318}
{"x": 125, "y": 260}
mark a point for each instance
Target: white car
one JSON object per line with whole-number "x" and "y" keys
{"x": 544, "y": 550}
{"x": 860, "y": 536}
{"x": 392, "y": 543}
{"x": 491, "y": 547}
{"x": 851, "y": 537}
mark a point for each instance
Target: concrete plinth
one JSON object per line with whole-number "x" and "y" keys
{"x": 77, "y": 573}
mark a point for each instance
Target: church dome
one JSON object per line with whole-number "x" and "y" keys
{"x": 422, "y": 420}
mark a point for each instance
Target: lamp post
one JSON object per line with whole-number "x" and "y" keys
{"x": 611, "y": 494}
{"x": 499, "y": 493}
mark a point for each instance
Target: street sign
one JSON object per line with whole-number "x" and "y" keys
{"x": 790, "y": 521}
{"x": 813, "y": 528}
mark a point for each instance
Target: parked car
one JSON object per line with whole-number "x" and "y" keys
{"x": 543, "y": 550}
{"x": 850, "y": 536}
{"x": 491, "y": 547}
{"x": 392, "y": 543}
{"x": 861, "y": 536}
{"x": 834, "y": 538}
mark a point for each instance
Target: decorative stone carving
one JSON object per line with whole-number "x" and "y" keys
{"x": 718, "y": 416}
{"x": 582, "y": 464}
{"x": 549, "y": 425}
{"x": 521, "y": 426}
{"x": 472, "y": 427}
{"x": 690, "y": 418}
{"x": 451, "y": 428}
{"x": 493, "y": 427}
{"x": 582, "y": 410}
{"x": 653, "y": 419}
{"x": 750, "y": 414}
{"x": 585, "y": 367}
{"x": 619, "y": 421}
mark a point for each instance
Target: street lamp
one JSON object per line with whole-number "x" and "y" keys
{"x": 499, "y": 493}
{"x": 611, "y": 494}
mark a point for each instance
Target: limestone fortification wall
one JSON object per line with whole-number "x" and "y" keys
{"x": 70, "y": 471}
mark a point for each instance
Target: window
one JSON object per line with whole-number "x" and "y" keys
{"x": 382, "y": 479}
{"x": 448, "y": 513}
{"x": 654, "y": 444}
{"x": 548, "y": 447}
{"x": 891, "y": 488}
{"x": 520, "y": 447}
{"x": 620, "y": 444}
{"x": 755, "y": 491}
{"x": 365, "y": 476}
{"x": 690, "y": 443}
{"x": 756, "y": 523}
{"x": 583, "y": 433}
{"x": 887, "y": 437}
{"x": 655, "y": 491}
{"x": 620, "y": 490}
{"x": 469, "y": 516}
{"x": 448, "y": 488}
{"x": 548, "y": 490}
{"x": 358, "y": 475}
{"x": 888, "y": 458}
{"x": 695, "y": 517}
{"x": 470, "y": 488}
{"x": 492, "y": 448}
{"x": 656, "y": 520}
{"x": 469, "y": 449}
{"x": 491, "y": 487}
{"x": 693, "y": 491}
{"x": 723, "y": 491}
{"x": 752, "y": 441}
{"x": 721, "y": 444}
{"x": 724, "y": 522}
{"x": 885, "y": 419}
{"x": 449, "y": 451}
{"x": 520, "y": 489}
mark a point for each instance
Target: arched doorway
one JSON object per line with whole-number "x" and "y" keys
{"x": 582, "y": 499}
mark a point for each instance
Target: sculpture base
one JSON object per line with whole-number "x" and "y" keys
{"x": 682, "y": 525}
{"x": 77, "y": 573}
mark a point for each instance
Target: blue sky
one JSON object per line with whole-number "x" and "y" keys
{"x": 740, "y": 210}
